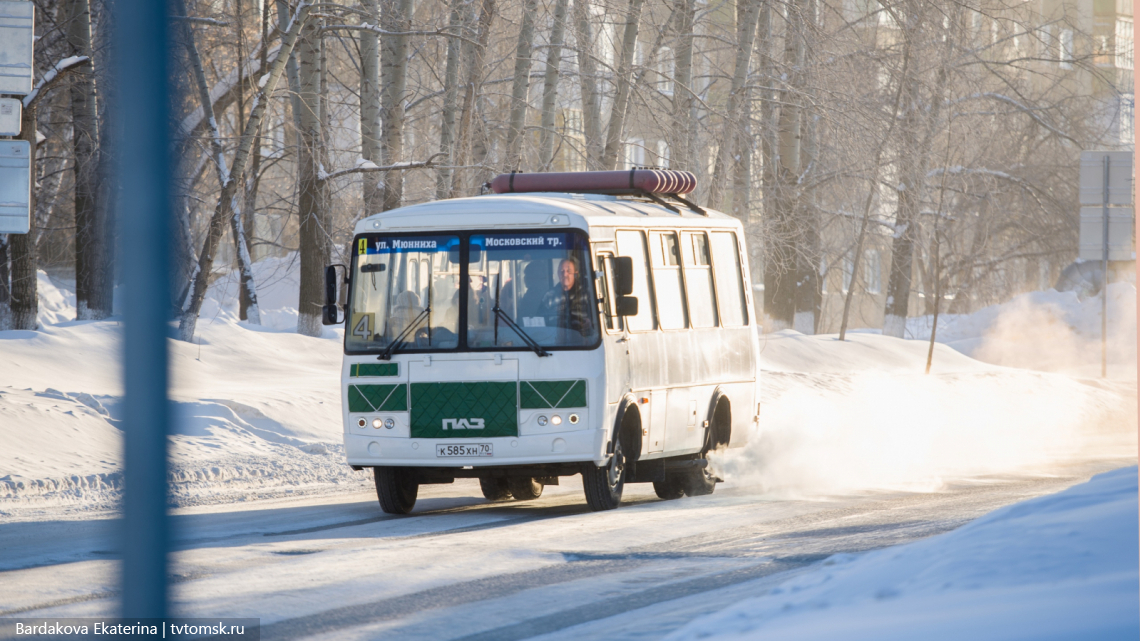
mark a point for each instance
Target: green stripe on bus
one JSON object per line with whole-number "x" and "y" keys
{"x": 374, "y": 369}
{"x": 541, "y": 395}
{"x": 378, "y": 398}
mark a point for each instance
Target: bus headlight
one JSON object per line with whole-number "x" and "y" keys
{"x": 556, "y": 419}
{"x": 362, "y": 423}
{"x": 389, "y": 423}
{"x": 573, "y": 419}
{"x": 542, "y": 421}
{"x": 377, "y": 423}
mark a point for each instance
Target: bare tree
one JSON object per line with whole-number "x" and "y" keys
{"x": 396, "y": 17}
{"x": 622, "y": 82}
{"x": 550, "y": 84}
{"x": 520, "y": 88}
{"x": 224, "y": 210}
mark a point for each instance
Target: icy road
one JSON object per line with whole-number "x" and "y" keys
{"x": 463, "y": 568}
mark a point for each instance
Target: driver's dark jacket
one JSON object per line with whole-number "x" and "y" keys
{"x": 568, "y": 309}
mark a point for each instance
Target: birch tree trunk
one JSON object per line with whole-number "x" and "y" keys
{"x": 312, "y": 196}
{"x": 245, "y": 267}
{"x": 733, "y": 126}
{"x": 622, "y": 90}
{"x": 456, "y": 21}
{"x": 588, "y": 82}
{"x": 921, "y": 122}
{"x": 779, "y": 268}
{"x": 90, "y": 230}
{"x": 396, "y": 16}
{"x": 683, "y": 134}
{"x": 252, "y": 186}
{"x": 370, "y": 107}
{"x": 224, "y": 210}
{"x": 472, "y": 88}
{"x": 550, "y": 85}
{"x": 284, "y": 18}
{"x": 520, "y": 86}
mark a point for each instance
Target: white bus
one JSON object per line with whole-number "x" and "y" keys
{"x": 575, "y": 325}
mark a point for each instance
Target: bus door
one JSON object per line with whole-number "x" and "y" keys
{"x": 616, "y": 339}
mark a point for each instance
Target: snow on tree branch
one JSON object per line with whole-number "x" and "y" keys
{"x": 368, "y": 167}
{"x": 57, "y": 71}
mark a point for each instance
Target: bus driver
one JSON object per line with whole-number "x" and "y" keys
{"x": 565, "y": 304}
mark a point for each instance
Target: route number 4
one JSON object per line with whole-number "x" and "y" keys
{"x": 362, "y": 326}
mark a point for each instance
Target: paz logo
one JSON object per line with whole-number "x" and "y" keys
{"x": 462, "y": 423}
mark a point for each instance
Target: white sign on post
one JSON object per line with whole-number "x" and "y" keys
{"x": 15, "y": 186}
{"x": 11, "y": 110}
{"x": 1120, "y": 223}
{"x": 17, "y": 35}
{"x": 1119, "y": 177}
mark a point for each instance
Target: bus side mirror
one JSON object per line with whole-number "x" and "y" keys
{"x": 627, "y": 306}
{"x": 330, "y": 313}
{"x": 623, "y": 278}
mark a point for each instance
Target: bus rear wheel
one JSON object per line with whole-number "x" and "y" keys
{"x": 396, "y": 488}
{"x": 673, "y": 487}
{"x": 525, "y": 488}
{"x": 495, "y": 489}
{"x": 604, "y": 485}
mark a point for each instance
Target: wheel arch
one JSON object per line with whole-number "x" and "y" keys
{"x": 627, "y": 425}
{"x": 718, "y": 434}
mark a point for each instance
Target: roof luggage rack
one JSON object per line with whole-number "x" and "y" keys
{"x": 651, "y": 183}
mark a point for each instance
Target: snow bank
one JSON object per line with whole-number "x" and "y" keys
{"x": 1057, "y": 567}
{"x": 858, "y": 415}
{"x": 258, "y": 408}
{"x": 1048, "y": 330}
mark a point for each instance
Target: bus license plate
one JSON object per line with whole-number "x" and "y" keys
{"x": 467, "y": 449}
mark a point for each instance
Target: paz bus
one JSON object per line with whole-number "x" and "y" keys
{"x": 593, "y": 323}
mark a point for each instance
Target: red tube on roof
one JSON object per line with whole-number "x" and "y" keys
{"x": 633, "y": 181}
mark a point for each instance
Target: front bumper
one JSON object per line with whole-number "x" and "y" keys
{"x": 367, "y": 450}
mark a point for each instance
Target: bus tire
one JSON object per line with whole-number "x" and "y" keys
{"x": 604, "y": 485}
{"x": 698, "y": 482}
{"x": 495, "y": 489}
{"x": 525, "y": 488}
{"x": 396, "y": 488}
{"x": 672, "y": 487}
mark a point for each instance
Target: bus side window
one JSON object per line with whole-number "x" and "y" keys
{"x": 729, "y": 282}
{"x": 698, "y": 279}
{"x": 667, "y": 283}
{"x": 632, "y": 244}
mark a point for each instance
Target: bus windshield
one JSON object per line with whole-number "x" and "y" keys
{"x": 404, "y": 289}
{"x": 518, "y": 291}
{"x": 542, "y": 286}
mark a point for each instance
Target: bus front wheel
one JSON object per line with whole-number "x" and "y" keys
{"x": 396, "y": 488}
{"x": 604, "y": 485}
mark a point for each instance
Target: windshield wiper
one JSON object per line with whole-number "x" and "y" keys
{"x": 393, "y": 347}
{"x": 499, "y": 313}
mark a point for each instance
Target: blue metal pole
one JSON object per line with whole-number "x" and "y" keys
{"x": 141, "y": 121}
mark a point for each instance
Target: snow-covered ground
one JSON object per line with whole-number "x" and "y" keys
{"x": 258, "y": 408}
{"x": 1063, "y": 566}
{"x": 842, "y": 424}
{"x": 1046, "y": 330}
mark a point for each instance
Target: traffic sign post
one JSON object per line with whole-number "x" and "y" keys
{"x": 1105, "y": 179}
